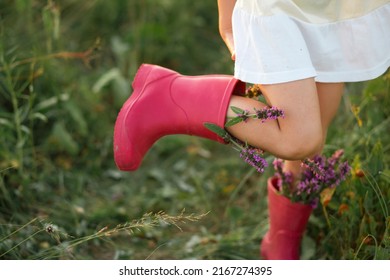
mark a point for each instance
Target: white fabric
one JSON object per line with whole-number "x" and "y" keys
{"x": 282, "y": 41}
{"x": 313, "y": 11}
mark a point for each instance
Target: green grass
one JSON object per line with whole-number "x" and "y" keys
{"x": 65, "y": 69}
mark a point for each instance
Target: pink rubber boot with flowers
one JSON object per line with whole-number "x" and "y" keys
{"x": 287, "y": 224}
{"x": 164, "y": 102}
{"x": 291, "y": 200}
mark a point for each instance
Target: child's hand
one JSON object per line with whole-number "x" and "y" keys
{"x": 227, "y": 37}
{"x": 225, "y": 10}
{"x": 234, "y": 56}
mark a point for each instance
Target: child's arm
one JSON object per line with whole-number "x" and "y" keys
{"x": 225, "y": 11}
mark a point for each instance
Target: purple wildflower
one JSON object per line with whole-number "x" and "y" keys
{"x": 286, "y": 177}
{"x": 316, "y": 166}
{"x": 301, "y": 187}
{"x": 337, "y": 155}
{"x": 279, "y": 184}
{"x": 278, "y": 164}
{"x": 252, "y": 156}
{"x": 314, "y": 202}
{"x": 344, "y": 170}
{"x": 244, "y": 116}
{"x": 268, "y": 113}
{"x": 320, "y": 173}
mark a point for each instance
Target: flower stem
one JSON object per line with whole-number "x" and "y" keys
{"x": 326, "y": 215}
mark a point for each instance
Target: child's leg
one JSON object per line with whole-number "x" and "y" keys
{"x": 299, "y": 135}
{"x": 288, "y": 220}
{"x": 329, "y": 95}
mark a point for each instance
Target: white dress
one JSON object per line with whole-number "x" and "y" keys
{"x": 279, "y": 41}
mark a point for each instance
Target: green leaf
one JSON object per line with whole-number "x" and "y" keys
{"x": 105, "y": 79}
{"x": 52, "y": 101}
{"x": 6, "y": 122}
{"x": 217, "y": 130}
{"x": 235, "y": 213}
{"x": 39, "y": 116}
{"x": 76, "y": 114}
{"x": 233, "y": 121}
{"x": 376, "y": 159}
{"x": 308, "y": 246}
{"x": 237, "y": 110}
{"x": 61, "y": 140}
{"x": 385, "y": 175}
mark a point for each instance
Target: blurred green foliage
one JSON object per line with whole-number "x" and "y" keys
{"x": 65, "y": 69}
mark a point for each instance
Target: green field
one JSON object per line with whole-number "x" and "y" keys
{"x": 66, "y": 68}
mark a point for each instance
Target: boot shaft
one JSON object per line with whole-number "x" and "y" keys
{"x": 204, "y": 99}
{"x": 285, "y": 215}
{"x": 181, "y": 104}
{"x": 287, "y": 222}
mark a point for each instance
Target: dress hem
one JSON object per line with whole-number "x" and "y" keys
{"x": 278, "y": 48}
{"x": 322, "y": 77}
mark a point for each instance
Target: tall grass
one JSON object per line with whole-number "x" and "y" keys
{"x": 65, "y": 69}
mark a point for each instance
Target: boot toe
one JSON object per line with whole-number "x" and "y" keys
{"x": 125, "y": 158}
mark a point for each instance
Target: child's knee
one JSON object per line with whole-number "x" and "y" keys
{"x": 308, "y": 147}
{"x": 304, "y": 145}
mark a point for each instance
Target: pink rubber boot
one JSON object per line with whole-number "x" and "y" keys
{"x": 164, "y": 102}
{"x": 287, "y": 224}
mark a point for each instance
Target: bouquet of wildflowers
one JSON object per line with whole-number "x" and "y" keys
{"x": 320, "y": 173}
{"x": 250, "y": 154}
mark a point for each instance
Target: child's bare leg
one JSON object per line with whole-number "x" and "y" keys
{"x": 329, "y": 95}
{"x": 299, "y": 135}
